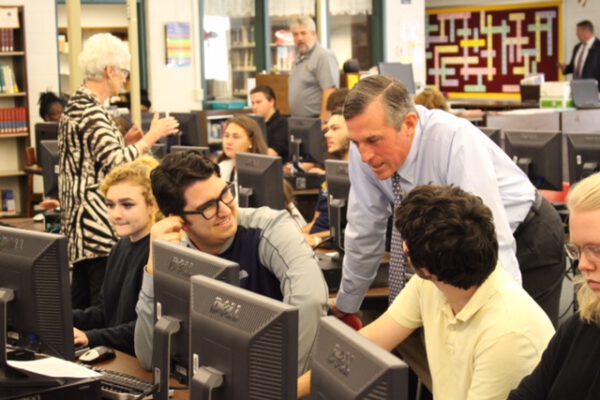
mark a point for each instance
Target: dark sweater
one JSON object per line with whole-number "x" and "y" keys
{"x": 113, "y": 321}
{"x": 277, "y": 136}
{"x": 570, "y": 366}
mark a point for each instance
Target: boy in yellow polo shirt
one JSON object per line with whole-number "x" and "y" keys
{"x": 482, "y": 331}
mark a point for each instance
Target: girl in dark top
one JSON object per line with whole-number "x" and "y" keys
{"x": 132, "y": 210}
{"x": 570, "y": 366}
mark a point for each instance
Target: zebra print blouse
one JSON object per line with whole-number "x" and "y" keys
{"x": 90, "y": 145}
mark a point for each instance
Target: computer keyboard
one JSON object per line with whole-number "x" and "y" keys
{"x": 121, "y": 386}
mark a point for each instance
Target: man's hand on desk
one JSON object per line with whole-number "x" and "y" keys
{"x": 80, "y": 337}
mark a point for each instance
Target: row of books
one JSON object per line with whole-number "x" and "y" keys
{"x": 13, "y": 120}
{"x": 7, "y": 40}
{"x": 7, "y": 201}
{"x": 8, "y": 83}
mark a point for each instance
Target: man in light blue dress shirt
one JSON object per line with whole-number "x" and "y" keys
{"x": 391, "y": 136}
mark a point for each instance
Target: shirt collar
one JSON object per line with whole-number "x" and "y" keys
{"x": 590, "y": 42}
{"x": 482, "y": 295}
{"x": 407, "y": 170}
{"x": 302, "y": 57}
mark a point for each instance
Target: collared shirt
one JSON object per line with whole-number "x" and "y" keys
{"x": 487, "y": 348}
{"x": 585, "y": 49}
{"x": 311, "y": 75}
{"x": 446, "y": 150}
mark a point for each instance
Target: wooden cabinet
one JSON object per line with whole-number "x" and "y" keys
{"x": 279, "y": 84}
{"x": 14, "y": 118}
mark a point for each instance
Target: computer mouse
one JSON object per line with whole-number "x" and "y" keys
{"x": 97, "y": 354}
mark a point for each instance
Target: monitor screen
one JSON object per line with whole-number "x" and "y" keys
{"x": 249, "y": 340}
{"x": 402, "y": 72}
{"x": 48, "y": 160}
{"x": 307, "y": 142}
{"x": 190, "y": 127}
{"x": 262, "y": 123}
{"x": 159, "y": 150}
{"x": 204, "y": 150}
{"x": 35, "y": 296}
{"x": 347, "y": 365}
{"x": 539, "y": 155}
{"x": 493, "y": 133}
{"x": 173, "y": 267}
{"x": 44, "y": 131}
{"x": 338, "y": 187}
{"x": 260, "y": 181}
{"x": 583, "y": 155}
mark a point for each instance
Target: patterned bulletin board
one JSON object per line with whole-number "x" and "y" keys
{"x": 484, "y": 52}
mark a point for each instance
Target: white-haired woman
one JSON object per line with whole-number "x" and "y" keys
{"x": 90, "y": 145}
{"x": 570, "y": 366}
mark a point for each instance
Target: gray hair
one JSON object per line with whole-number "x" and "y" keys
{"x": 100, "y": 51}
{"x": 391, "y": 92}
{"x": 304, "y": 21}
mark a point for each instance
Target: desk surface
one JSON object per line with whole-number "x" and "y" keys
{"x": 130, "y": 365}
{"x": 491, "y": 105}
{"x": 24, "y": 223}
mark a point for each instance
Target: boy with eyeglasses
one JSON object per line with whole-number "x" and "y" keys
{"x": 202, "y": 214}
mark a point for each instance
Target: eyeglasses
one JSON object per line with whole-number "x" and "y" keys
{"x": 124, "y": 71}
{"x": 211, "y": 208}
{"x": 574, "y": 252}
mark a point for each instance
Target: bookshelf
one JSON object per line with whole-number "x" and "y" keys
{"x": 14, "y": 115}
{"x": 242, "y": 49}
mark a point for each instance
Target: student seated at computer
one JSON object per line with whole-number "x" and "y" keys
{"x": 202, "y": 214}
{"x": 569, "y": 366}
{"x": 482, "y": 331}
{"x": 338, "y": 147}
{"x": 131, "y": 211}
{"x": 264, "y": 104}
{"x": 433, "y": 99}
{"x": 243, "y": 135}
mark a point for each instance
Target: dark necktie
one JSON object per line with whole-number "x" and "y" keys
{"x": 397, "y": 270}
{"x": 579, "y": 65}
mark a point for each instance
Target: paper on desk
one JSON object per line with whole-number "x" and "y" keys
{"x": 54, "y": 368}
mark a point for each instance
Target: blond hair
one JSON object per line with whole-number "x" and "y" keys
{"x": 433, "y": 99}
{"x": 585, "y": 196}
{"x": 136, "y": 173}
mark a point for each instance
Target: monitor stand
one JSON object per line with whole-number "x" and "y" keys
{"x": 244, "y": 195}
{"x": 9, "y": 376}
{"x": 205, "y": 380}
{"x": 161, "y": 354}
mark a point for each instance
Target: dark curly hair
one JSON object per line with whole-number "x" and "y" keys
{"x": 177, "y": 172}
{"x": 450, "y": 232}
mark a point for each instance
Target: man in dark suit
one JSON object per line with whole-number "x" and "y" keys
{"x": 585, "y": 61}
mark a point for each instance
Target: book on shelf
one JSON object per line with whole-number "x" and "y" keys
{"x": 8, "y": 201}
{"x": 8, "y": 83}
{"x": 7, "y": 41}
{"x": 13, "y": 120}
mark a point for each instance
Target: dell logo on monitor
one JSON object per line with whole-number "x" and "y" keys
{"x": 10, "y": 243}
{"x": 225, "y": 308}
{"x": 340, "y": 359}
{"x": 181, "y": 266}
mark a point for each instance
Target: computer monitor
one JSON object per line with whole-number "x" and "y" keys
{"x": 243, "y": 345}
{"x": 338, "y": 187}
{"x": 35, "y": 297}
{"x": 159, "y": 150}
{"x": 48, "y": 160}
{"x": 262, "y": 123}
{"x": 260, "y": 181}
{"x": 307, "y": 142}
{"x": 402, "y": 72}
{"x": 190, "y": 127}
{"x": 539, "y": 155}
{"x": 44, "y": 131}
{"x": 493, "y": 133}
{"x": 583, "y": 155}
{"x": 204, "y": 150}
{"x": 347, "y": 365}
{"x": 173, "y": 267}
